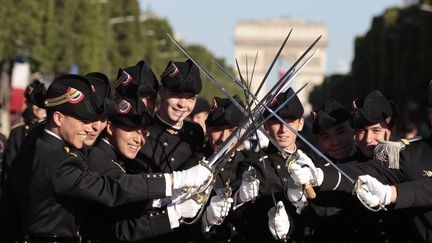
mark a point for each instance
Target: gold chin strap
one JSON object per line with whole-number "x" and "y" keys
{"x": 72, "y": 95}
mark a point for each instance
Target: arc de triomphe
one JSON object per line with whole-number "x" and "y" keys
{"x": 265, "y": 37}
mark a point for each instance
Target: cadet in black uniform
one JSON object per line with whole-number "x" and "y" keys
{"x": 104, "y": 106}
{"x": 223, "y": 119}
{"x": 43, "y": 199}
{"x": 272, "y": 172}
{"x": 123, "y": 138}
{"x": 409, "y": 187}
{"x": 174, "y": 143}
{"x": 331, "y": 126}
{"x": 32, "y": 116}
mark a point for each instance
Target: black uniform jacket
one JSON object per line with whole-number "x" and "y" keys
{"x": 412, "y": 181}
{"x": 48, "y": 183}
{"x": 168, "y": 149}
{"x": 274, "y": 178}
{"x": 330, "y": 214}
{"x": 125, "y": 223}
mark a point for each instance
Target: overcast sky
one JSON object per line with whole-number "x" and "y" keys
{"x": 212, "y": 23}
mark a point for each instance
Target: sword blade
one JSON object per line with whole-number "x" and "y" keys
{"x": 288, "y": 126}
{"x": 231, "y": 139}
{"x": 259, "y": 124}
{"x": 273, "y": 63}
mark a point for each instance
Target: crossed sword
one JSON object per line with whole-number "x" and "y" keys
{"x": 249, "y": 125}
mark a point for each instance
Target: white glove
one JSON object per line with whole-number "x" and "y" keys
{"x": 216, "y": 211}
{"x": 297, "y": 197}
{"x": 248, "y": 189}
{"x": 303, "y": 171}
{"x": 185, "y": 209}
{"x": 373, "y": 192}
{"x": 193, "y": 177}
{"x": 278, "y": 221}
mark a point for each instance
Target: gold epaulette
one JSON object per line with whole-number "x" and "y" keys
{"x": 68, "y": 151}
{"x": 42, "y": 120}
{"x": 19, "y": 124}
{"x": 172, "y": 131}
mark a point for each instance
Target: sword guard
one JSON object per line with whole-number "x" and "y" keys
{"x": 358, "y": 186}
{"x": 225, "y": 192}
{"x": 291, "y": 158}
{"x": 249, "y": 175}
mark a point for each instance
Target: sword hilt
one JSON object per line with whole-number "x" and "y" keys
{"x": 197, "y": 192}
{"x": 310, "y": 192}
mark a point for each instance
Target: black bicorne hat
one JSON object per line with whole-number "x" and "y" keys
{"x": 138, "y": 79}
{"x": 36, "y": 87}
{"x": 72, "y": 95}
{"x": 182, "y": 77}
{"x": 103, "y": 96}
{"x": 330, "y": 114}
{"x": 372, "y": 109}
{"x": 131, "y": 112}
{"x": 292, "y": 110}
{"x": 224, "y": 113}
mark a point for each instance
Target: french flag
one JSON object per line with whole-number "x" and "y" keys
{"x": 20, "y": 79}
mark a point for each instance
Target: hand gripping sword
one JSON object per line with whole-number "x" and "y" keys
{"x": 289, "y": 158}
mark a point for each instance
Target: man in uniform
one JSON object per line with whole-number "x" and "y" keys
{"x": 407, "y": 189}
{"x": 32, "y": 115}
{"x": 48, "y": 181}
{"x": 222, "y": 120}
{"x": 174, "y": 143}
{"x": 124, "y": 136}
{"x": 272, "y": 172}
{"x": 331, "y": 126}
{"x": 104, "y": 106}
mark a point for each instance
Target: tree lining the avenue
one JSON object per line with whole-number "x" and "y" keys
{"x": 394, "y": 57}
{"x": 56, "y": 35}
